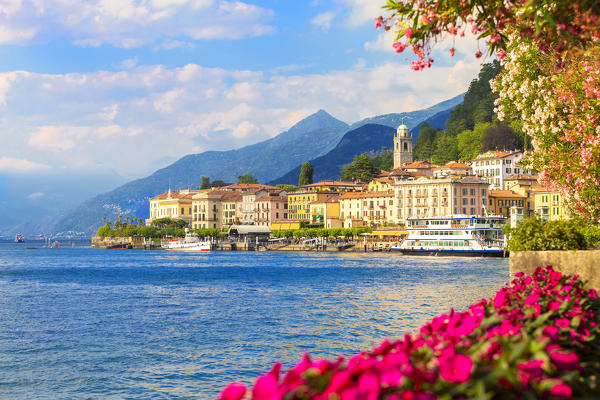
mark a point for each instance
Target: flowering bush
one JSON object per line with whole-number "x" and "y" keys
{"x": 536, "y": 339}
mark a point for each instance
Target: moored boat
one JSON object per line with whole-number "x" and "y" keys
{"x": 454, "y": 236}
{"x": 19, "y": 238}
{"x": 191, "y": 242}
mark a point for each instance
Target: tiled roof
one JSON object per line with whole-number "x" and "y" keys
{"x": 362, "y": 195}
{"x": 247, "y": 186}
{"x": 419, "y": 165}
{"x": 522, "y": 177}
{"x": 332, "y": 183}
{"x": 453, "y": 164}
{"x": 273, "y": 198}
{"x": 496, "y": 154}
{"x": 504, "y": 193}
{"x": 176, "y": 194}
{"x": 331, "y": 199}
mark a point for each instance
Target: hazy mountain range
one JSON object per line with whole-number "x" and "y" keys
{"x": 328, "y": 142}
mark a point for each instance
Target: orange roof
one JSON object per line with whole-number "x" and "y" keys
{"x": 362, "y": 195}
{"x": 332, "y": 183}
{"x": 453, "y": 164}
{"x": 273, "y": 198}
{"x": 496, "y": 154}
{"x": 504, "y": 193}
{"x": 522, "y": 177}
{"x": 176, "y": 194}
{"x": 419, "y": 165}
{"x": 385, "y": 180}
{"x": 248, "y": 186}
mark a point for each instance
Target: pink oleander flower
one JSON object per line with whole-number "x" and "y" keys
{"x": 565, "y": 361}
{"x": 233, "y": 391}
{"x": 562, "y": 391}
{"x": 456, "y": 368}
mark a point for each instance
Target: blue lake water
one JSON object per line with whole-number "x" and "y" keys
{"x": 89, "y": 323}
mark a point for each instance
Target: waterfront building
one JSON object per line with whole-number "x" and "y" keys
{"x": 174, "y": 204}
{"x": 231, "y": 206}
{"x": 452, "y": 168}
{"x": 500, "y": 202}
{"x": 332, "y": 186}
{"x": 299, "y": 203}
{"x": 249, "y": 214}
{"x": 551, "y": 205}
{"x": 271, "y": 209}
{"x": 524, "y": 185}
{"x": 207, "y": 210}
{"x": 403, "y": 152}
{"x": 496, "y": 166}
{"x": 367, "y": 209}
{"x": 428, "y": 197}
{"x": 326, "y": 212}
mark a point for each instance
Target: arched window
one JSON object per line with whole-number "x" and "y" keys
{"x": 405, "y": 146}
{"x": 396, "y": 146}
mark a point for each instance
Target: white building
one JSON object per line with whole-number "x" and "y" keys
{"x": 496, "y": 166}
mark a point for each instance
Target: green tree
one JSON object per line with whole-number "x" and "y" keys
{"x": 247, "y": 178}
{"x": 469, "y": 142}
{"x": 287, "y": 188}
{"x": 446, "y": 148}
{"x": 306, "y": 174}
{"x": 219, "y": 183}
{"x": 362, "y": 169}
{"x": 500, "y": 137}
{"x": 384, "y": 160}
{"x": 425, "y": 142}
{"x": 205, "y": 183}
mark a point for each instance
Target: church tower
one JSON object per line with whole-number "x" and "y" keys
{"x": 402, "y": 146}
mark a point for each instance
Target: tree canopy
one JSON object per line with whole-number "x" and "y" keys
{"x": 247, "y": 178}
{"x": 361, "y": 169}
{"x": 306, "y": 174}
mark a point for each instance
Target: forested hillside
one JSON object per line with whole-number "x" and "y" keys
{"x": 472, "y": 127}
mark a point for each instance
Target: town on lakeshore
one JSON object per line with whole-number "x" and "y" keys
{"x": 493, "y": 184}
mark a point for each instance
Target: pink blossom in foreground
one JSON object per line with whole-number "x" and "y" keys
{"x": 533, "y": 336}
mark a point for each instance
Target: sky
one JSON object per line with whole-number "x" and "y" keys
{"x": 129, "y": 86}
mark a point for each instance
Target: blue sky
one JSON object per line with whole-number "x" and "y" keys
{"x": 132, "y": 85}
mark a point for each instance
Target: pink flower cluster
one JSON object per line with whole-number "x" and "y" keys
{"x": 536, "y": 336}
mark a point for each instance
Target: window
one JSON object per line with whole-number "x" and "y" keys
{"x": 464, "y": 192}
{"x": 472, "y": 201}
{"x": 508, "y": 170}
{"x": 182, "y": 210}
{"x": 464, "y": 201}
{"x": 483, "y": 192}
{"x": 472, "y": 192}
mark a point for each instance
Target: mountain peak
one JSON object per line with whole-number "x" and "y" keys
{"x": 318, "y": 120}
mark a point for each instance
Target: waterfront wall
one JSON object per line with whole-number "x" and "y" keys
{"x": 585, "y": 263}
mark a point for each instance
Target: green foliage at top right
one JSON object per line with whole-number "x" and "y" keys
{"x": 534, "y": 234}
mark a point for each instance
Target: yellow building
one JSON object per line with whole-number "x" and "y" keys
{"x": 381, "y": 185}
{"x": 550, "y": 205}
{"x": 299, "y": 203}
{"x": 326, "y": 212}
{"x": 174, "y": 204}
{"x": 500, "y": 201}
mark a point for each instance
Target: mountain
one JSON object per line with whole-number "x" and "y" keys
{"x": 30, "y": 203}
{"x": 309, "y": 138}
{"x": 412, "y": 119}
{"x": 368, "y": 138}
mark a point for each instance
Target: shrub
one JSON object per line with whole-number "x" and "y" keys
{"x": 535, "y": 234}
{"x": 537, "y": 338}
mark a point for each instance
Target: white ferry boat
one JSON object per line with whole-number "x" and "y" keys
{"x": 454, "y": 236}
{"x": 191, "y": 242}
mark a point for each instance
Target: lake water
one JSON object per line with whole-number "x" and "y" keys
{"x": 90, "y": 323}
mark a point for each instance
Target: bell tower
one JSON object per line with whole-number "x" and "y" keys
{"x": 402, "y": 146}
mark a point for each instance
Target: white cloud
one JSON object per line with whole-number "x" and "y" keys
{"x": 9, "y": 164}
{"x": 130, "y": 23}
{"x": 323, "y": 20}
{"x": 36, "y": 195}
{"x": 361, "y": 12}
{"x": 132, "y": 119}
